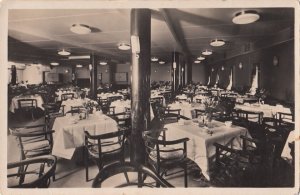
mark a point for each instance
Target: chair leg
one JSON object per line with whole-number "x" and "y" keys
{"x": 185, "y": 177}
{"x": 85, "y": 157}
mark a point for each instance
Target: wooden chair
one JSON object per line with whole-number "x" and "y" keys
{"x": 40, "y": 168}
{"x": 286, "y": 118}
{"x": 199, "y": 112}
{"x": 75, "y": 109}
{"x": 162, "y": 157}
{"x": 52, "y": 110}
{"x": 66, "y": 96}
{"x": 160, "y": 100}
{"x": 251, "y": 116}
{"x": 104, "y": 104}
{"x": 141, "y": 171}
{"x": 101, "y": 147}
{"x": 250, "y": 166}
{"x": 27, "y": 106}
{"x": 171, "y": 115}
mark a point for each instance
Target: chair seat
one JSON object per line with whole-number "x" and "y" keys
{"x": 174, "y": 155}
{"x": 36, "y": 145}
{"x": 112, "y": 149}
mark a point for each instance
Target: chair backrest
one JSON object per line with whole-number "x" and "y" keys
{"x": 27, "y": 103}
{"x": 251, "y": 116}
{"x": 111, "y": 111}
{"x": 199, "y": 112}
{"x": 47, "y": 166}
{"x": 66, "y": 96}
{"x": 105, "y": 144}
{"x": 141, "y": 170}
{"x": 160, "y": 100}
{"x": 75, "y": 109}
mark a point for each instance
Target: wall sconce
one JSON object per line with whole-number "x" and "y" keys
{"x": 135, "y": 44}
{"x": 275, "y": 61}
{"x": 240, "y": 65}
{"x": 222, "y": 68}
{"x": 212, "y": 69}
{"x": 182, "y": 69}
{"x": 90, "y": 67}
{"x": 174, "y": 65}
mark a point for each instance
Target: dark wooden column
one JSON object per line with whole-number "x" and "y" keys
{"x": 141, "y": 70}
{"x": 189, "y": 69}
{"x": 175, "y": 72}
{"x": 93, "y": 76}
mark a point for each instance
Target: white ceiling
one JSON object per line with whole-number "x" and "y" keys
{"x": 49, "y": 30}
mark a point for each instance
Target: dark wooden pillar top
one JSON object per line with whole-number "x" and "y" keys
{"x": 93, "y": 76}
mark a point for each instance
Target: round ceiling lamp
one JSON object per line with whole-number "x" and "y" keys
{"x": 124, "y": 46}
{"x": 201, "y": 58}
{"x": 80, "y": 29}
{"x": 197, "y": 61}
{"x": 217, "y": 43}
{"x": 161, "y": 62}
{"x": 79, "y": 66}
{"x": 245, "y": 17}
{"x": 64, "y": 52}
{"x": 154, "y": 59}
{"x": 54, "y": 63}
{"x": 103, "y": 63}
{"x": 207, "y": 52}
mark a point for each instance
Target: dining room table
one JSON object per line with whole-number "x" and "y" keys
{"x": 14, "y": 105}
{"x": 109, "y": 95}
{"x": 75, "y": 102}
{"x": 69, "y": 131}
{"x": 200, "y": 147}
{"x": 59, "y": 93}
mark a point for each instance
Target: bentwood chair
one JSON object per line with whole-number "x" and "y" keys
{"x": 111, "y": 111}
{"x": 26, "y": 106}
{"x": 163, "y": 156}
{"x": 37, "y": 174}
{"x": 66, "y": 96}
{"x": 141, "y": 172}
{"x": 171, "y": 115}
{"x": 250, "y": 166}
{"x": 104, "y": 147}
{"x": 52, "y": 110}
{"x": 160, "y": 100}
{"x": 33, "y": 141}
{"x": 103, "y": 104}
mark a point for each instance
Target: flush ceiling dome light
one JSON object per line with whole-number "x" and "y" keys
{"x": 80, "y": 29}
{"x": 245, "y": 17}
{"x": 79, "y": 66}
{"x": 217, "y": 43}
{"x": 207, "y": 52}
{"x": 54, "y": 63}
{"x": 161, "y": 62}
{"x": 124, "y": 46}
{"x": 63, "y": 52}
{"x": 197, "y": 61}
{"x": 103, "y": 63}
{"x": 201, "y": 58}
{"x": 154, "y": 59}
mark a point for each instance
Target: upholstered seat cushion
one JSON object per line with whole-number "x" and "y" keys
{"x": 115, "y": 148}
{"x": 36, "y": 145}
{"x": 165, "y": 155}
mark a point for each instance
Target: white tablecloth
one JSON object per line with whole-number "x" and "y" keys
{"x": 286, "y": 153}
{"x": 182, "y": 97}
{"x": 200, "y": 147}
{"x": 14, "y": 102}
{"x": 108, "y": 95}
{"x": 187, "y": 109}
{"x": 120, "y": 106}
{"x": 268, "y": 110}
{"x": 69, "y": 134}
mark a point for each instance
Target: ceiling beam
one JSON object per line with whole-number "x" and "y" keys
{"x": 177, "y": 32}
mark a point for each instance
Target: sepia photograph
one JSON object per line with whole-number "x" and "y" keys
{"x": 200, "y": 96}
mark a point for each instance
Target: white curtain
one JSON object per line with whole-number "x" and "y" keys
{"x": 208, "y": 80}
{"x": 254, "y": 84}
{"x": 230, "y": 81}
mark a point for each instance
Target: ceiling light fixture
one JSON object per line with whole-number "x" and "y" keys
{"x": 64, "y": 52}
{"x": 79, "y": 66}
{"x": 207, "y": 52}
{"x": 103, "y": 63}
{"x": 245, "y": 17}
{"x": 201, "y": 58}
{"x": 222, "y": 68}
{"x": 217, "y": 43}
{"x": 161, "y": 62}
{"x": 81, "y": 29}
{"x": 154, "y": 59}
{"x": 54, "y": 63}
{"x": 124, "y": 46}
{"x": 197, "y": 61}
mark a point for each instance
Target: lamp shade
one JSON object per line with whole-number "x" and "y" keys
{"x": 207, "y": 52}
{"x": 246, "y": 17}
{"x": 80, "y": 29}
{"x": 124, "y": 46}
{"x": 217, "y": 43}
{"x": 64, "y": 52}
